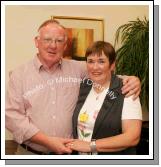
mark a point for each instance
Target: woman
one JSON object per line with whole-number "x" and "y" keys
{"x": 104, "y": 122}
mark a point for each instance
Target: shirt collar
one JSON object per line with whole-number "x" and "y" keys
{"x": 39, "y": 65}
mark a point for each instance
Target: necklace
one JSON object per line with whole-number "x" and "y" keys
{"x": 100, "y": 94}
{"x": 97, "y": 95}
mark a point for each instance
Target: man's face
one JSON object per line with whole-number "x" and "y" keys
{"x": 51, "y": 43}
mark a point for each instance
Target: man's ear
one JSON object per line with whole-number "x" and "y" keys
{"x": 36, "y": 41}
{"x": 65, "y": 46}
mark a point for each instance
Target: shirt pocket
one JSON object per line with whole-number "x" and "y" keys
{"x": 70, "y": 96}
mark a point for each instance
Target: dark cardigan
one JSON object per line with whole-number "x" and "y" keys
{"x": 108, "y": 121}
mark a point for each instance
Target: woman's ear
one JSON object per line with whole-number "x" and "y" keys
{"x": 112, "y": 67}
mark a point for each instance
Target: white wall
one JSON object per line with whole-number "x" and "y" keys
{"x": 22, "y": 23}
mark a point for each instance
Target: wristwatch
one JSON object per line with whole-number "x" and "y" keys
{"x": 93, "y": 146}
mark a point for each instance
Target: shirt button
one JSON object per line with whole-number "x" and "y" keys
{"x": 53, "y": 102}
{"x": 54, "y": 116}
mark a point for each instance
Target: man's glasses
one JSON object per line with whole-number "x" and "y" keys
{"x": 59, "y": 40}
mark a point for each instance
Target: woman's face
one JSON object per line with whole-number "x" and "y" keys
{"x": 99, "y": 68}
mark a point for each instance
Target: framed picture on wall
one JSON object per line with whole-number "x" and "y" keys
{"x": 81, "y": 33}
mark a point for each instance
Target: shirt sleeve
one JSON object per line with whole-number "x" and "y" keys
{"x": 83, "y": 68}
{"x": 16, "y": 119}
{"x": 131, "y": 109}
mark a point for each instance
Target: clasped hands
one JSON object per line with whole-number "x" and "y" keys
{"x": 79, "y": 145}
{"x": 66, "y": 146}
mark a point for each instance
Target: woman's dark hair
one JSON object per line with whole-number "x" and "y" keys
{"x": 100, "y": 46}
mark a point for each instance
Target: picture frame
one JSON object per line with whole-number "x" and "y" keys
{"x": 82, "y": 32}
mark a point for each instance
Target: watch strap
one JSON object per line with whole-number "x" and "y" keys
{"x": 93, "y": 146}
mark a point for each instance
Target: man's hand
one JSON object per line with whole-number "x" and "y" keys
{"x": 54, "y": 144}
{"x": 58, "y": 145}
{"x": 131, "y": 86}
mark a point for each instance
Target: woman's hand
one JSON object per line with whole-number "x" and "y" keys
{"x": 79, "y": 145}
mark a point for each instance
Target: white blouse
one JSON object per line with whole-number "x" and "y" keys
{"x": 90, "y": 109}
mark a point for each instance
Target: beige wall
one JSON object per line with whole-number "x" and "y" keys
{"x": 22, "y": 23}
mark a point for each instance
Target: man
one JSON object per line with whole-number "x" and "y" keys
{"x": 42, "y": 95}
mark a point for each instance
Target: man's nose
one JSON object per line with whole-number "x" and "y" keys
{"x": 53, "y": 44}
